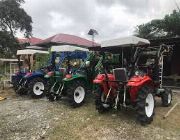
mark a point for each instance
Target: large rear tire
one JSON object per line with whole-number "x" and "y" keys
{"x": 101, "y": 106}
{"x": 76, "y": 93}
{"x": 145, "y": 106}
{"x": 15, "y": 85}
{"x": 47, "y": 88}
{"x": 166, "y": 97}
{"x": 36, "y": 88}
{"x": 21, "y": 88}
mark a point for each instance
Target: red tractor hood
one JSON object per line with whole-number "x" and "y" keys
{"x": 138, "y": 80}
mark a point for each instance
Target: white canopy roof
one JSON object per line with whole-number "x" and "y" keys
{"x": 34, "y": 47}
{"x": 30, "y": 51}
{"x": 9, "y": 60}
{"x": 125, "y": 42}
{"x": 67, "y": 48}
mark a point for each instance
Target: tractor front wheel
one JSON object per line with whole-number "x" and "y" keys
{"x": 101, "y": 106}
{"x": 166, "y": 97}
{"x": 36, "y": 87}
{"x": 76, "y": 93}
{"x": 145, "y": 106}
{"x": 21, "y": 91}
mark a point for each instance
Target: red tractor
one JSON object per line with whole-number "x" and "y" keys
{"x": 136, "y": 83}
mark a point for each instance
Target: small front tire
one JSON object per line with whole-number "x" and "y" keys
{"x": 36, "y": 88}
{"x": 166, "y": 97}
{"x": 100, "y": 99}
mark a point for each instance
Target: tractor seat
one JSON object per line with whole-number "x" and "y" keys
{"x": 63, "y": 70}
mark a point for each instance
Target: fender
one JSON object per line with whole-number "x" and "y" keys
{"x": 100, "y": 79}
{"x": 17, "y": 76}
{"x": 33, "y": 75}
{"x": 54, "y": 76}
{"x": 135, "y": 83}
{"x": 71, "y": 78}
{"x": 138, "y": 80}
{"x": 49, "y": 75}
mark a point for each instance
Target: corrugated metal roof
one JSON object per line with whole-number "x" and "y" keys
{"x": 32, "y": 40}
{"x": 67, "y": 39}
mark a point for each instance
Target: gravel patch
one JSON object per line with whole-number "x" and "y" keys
{"x": 22, "y": 118}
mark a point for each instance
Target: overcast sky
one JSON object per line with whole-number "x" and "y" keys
{"x": 111, "y": 18}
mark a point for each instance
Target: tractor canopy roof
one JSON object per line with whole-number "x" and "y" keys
{"x": 67, "y": 48}
{"x": 131, "y": 41}
{"x": 31, "y": 51}
{"x": 36, "y": 48}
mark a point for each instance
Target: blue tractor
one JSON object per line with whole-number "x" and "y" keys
{"x": 24, "y": 66}
{"x": 25, "y": 78}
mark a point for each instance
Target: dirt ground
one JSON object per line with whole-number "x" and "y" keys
{"x": 24, "y": 118}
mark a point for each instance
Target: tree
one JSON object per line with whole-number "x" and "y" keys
{"x": 169, "y": 26}
{"x": 8, "y": 44}
{"x": 13, "y": 18}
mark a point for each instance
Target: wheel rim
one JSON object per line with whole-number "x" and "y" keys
{"x": 149, "y": 106}
{"x": 169, "y": 98}
{"x": 102, "y": 97}
{"x": 38, "y": 88}
{"x": 79, "y": 94}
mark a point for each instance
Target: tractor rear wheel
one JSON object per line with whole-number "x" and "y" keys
{"x": 76, "y": 93}
{"x": 48, "y": 93}
{"x": 101, "y": 106}
{"x": 36, "y": 88}
{"x": 145, "y": 106}
{"x": 166, "y": 97}
{"x": 15, "y": 85}
{"x": 21, "y": 88}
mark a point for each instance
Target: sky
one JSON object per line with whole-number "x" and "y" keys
{"x": 111, "y": 18}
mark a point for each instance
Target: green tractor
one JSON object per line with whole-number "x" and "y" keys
{"x": 76, "y": 83}
{"x": 69, "y": 59}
